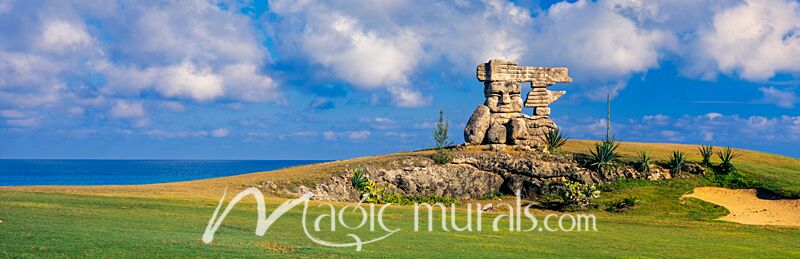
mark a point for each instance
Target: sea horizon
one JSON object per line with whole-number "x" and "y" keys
{"x": 36, "y": 172}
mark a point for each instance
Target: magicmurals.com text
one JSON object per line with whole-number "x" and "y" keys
{"x": 515, "y": 218}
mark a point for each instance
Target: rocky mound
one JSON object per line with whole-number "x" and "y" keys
{"x": 472, "y": 175}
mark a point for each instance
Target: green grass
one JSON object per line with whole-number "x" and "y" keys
{"x": 168, "y": 220}
{"x": 44, "y": 225}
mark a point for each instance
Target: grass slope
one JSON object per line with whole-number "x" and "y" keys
{"x": 167, "y": 220}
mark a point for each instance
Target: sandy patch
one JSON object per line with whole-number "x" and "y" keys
{"x": 747, "y": 207}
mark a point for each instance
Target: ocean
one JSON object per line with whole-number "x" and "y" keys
{"x": 19, "y": 172}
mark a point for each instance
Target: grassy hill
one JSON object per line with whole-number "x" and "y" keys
{"x": 167, "y": 220}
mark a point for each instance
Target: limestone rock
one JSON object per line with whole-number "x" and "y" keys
{"x": 506, "y": 124}
{"x": 477, "y": 125}
{"x": 497, "y": 134}
{"x": 471, "y": 175}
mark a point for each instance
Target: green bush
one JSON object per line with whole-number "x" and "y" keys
{"x": 623, "y": 204}
{"x": 371, "y": 193}
{"x": 736, "y": 180}
{"x": 643, "y": 163}
{"x": 579, "y": 195}
{"x": 604, "y": 154}
{"x": 706, "y": 152}
{"x": 554, "y": 139}
{"x": 441, "y": 141}
{"x": 726, "y": 155}
{"x": 677, "y": 161}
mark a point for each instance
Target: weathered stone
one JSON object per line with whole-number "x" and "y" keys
{"x": 477, "y": 125}
{"x": 518, "y": 128}
{"x": 541, "y": 97}
{"x": 497, "y": 134}
{"x": 507, "y": 124}
{"x": 471, "y": 175}
{"x": 498, "y": 70}
{"x": 541, "y": 111}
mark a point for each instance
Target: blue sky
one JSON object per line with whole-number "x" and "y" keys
{"x": 340, "y": 79}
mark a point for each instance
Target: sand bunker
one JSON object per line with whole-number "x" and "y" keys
{"x": 747, "y": 208}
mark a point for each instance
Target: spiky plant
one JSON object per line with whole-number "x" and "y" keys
{"x": 604, "y": 154}
{"x": 643, "y": 163}
{"x": 706, "y": 152}
{"x": 727, "y": 155}
{"x": 359, "y": 180}
{"x": 677, "y": 161}
{"x": 554, "y": 139}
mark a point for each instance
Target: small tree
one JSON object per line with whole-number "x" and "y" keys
{"x": 441, "y": 141}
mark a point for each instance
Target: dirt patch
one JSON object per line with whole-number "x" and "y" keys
{"x": 748, "y": 206}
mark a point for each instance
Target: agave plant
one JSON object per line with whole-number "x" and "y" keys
{"x": 727, "y": 155}
{"x": 359, "y": 180}
{"x": 643, "y": 164}
{"x": 554, "y": 139}
{"x": 706, "y": 152}
{"x": 677, "y": 161}
{"x": 604, "y": 154}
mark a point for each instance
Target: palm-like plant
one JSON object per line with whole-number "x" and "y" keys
{"x": 359, "y": 180}
{"x": 554, "y": 139}
{"x": 604, "y": 154}
{"x": 643, "y": 164}
{"x": 706, "y": 152}
{"x": 677, "y": 161}
{"x": 727, "y": 155}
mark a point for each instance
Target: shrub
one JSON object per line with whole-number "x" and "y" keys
{"x": 604, "y": 154}
{"x": 441, "y": 141}
{"x": 371, "y": 193}
{"x": 677, "y": 161}
{"x": 579, "y": 195}
{"x": 623, "y": 204}
{"x": 554, "y": 139}
{"x": 643, "y": 163}
{"x": 727, "y": 155}
{"x": 736, "y": 180}
{"x": 706, "y": 152}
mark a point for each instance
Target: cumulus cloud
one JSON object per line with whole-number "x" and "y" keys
{"x": 127, "y": 109}
{"x": 599, "y": 43}
{"x": 755, "y": 39}
{"x": 781, "y": 98}
{"x": 722, "y": 129}
{"x": 385, "y": 45}
{"x": 194, "y": 51}
{"x": 60, "y": 36}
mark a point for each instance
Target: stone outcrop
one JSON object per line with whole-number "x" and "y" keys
{"x": 475, "y": 174}
{"x": 505, "y": 122}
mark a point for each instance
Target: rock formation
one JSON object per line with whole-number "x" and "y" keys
{"x": 473, "y": 174}
{"x": 500, "y": 119}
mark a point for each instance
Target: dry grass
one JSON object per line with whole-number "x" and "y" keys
{"x": 779, "y": 172}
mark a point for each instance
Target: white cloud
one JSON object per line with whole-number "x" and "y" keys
{"x": 358, "y": 135}
{"x": 60, "y": 36}
{"x": 220, "y": 133}
{"x": 781, "y": 98}
{"x": 598, "y": 44}
{"x": 172, "y": 106}
{"x": 722, "y": 129}
{"x": 127, "y": 109}
{"x": 186, "y": 80}
{"x": 755, "y": 39}
{"x": 329, "y": 135}
{"x": 192, "y": 50}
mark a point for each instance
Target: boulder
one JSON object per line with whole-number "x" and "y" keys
{"x": 477, "y": 125}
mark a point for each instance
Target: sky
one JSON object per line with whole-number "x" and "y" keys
{"x": 304, "y": 79}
